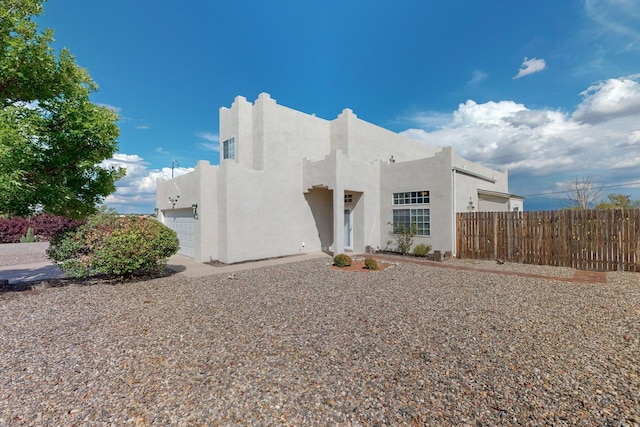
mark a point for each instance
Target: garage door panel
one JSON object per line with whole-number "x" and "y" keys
{"x": 181, "y": 221}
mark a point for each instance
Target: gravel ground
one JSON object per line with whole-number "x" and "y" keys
{"x": 23, "y": 253}
{"x": 542, "y": 270}
{"x": 302, "y": 344}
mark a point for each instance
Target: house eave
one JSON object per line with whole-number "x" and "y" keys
{"x": 499, "y": 194}
{"x": 474, "y": 174}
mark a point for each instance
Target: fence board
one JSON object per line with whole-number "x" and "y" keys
{"x": 602, "y": 240}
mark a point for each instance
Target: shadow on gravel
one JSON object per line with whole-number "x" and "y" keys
{"x": 176, "y": 268}
{"x": 32, "y": 274}
{"x": 37, "y": 285}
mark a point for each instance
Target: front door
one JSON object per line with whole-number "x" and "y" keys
{"x": 348, "y": 230}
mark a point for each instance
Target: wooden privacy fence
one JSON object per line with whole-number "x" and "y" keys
{"x": 601, "y": 240}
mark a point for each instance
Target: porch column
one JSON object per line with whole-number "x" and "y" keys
{"x": 338, "y": 220}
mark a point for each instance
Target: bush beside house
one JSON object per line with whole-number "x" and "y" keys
{"x": 114, "y": 246}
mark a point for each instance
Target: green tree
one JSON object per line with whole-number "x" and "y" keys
{"x": 53, "y": 139}
{"x": 618, "y": 201}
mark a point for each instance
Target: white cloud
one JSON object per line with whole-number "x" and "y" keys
{"x": 136, "y": 191}
{"x": 120, "y": 158}
{"x": 477, "y": 77}
{"x": 634, "y": 138}
{"x": 427, "y": 120}
{"x": 490, "y": 113}
{"x": 619, "y": 18}
{"x": 528, "y": 118}
{"x": 601, "y": 138}
{"x": 112, "y": 108}
{"x": 209, "y": 136}
{"x": 608, "y": 100}
{"x": 530, "y": 66}
{"x": 212, "y": 141}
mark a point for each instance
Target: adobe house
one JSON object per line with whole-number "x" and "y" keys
{"x": 290, "y": 183}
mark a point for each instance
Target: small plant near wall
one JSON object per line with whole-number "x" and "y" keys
{"x": 422, "y": 250}
{"x": 370, "y": 264}
{"x": 403, "y": 236}
{"x": 388, "y": 245}
{"x": 342, "y": 260}
{"x": 29, "y": 237}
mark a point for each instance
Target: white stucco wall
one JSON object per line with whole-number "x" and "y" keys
{"x": 432, "y": 174}
{"x": 492, "y": 204}
{"x": 368, "y": 142}
{"x": 267, "y": 214}
{"x": 208, "y": 205}
{"x": 516, "y": 204}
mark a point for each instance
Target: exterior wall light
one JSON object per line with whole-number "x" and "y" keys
{"x": 156, "y": 210}
{"x": 470, "y": 206}
{"x": 195, "y": 210}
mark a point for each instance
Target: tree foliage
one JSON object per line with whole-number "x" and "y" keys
{"x": 53, "y": 139}
{"x": 618, "y": 201}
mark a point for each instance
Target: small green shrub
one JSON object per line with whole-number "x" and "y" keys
{"x": 114, "y": 246}
{"x": 422, "y": 250}
{"x": 370, "y": 264}
{"x": 29, "y": 237}
{"x": 403, "y": 236}
{"x": 342, "y": 260}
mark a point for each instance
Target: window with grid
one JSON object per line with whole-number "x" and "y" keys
{"x": 229, "y": 149}
{"x": 411, "y": 198}
{"x": 403, "y": 218}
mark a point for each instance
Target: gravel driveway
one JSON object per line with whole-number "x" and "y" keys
{"x": 302, "y": 344}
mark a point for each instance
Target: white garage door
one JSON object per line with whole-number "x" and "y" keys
{"x": 181, "y": 221}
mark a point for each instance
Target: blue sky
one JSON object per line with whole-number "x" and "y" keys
{"x": 548, "y": 89}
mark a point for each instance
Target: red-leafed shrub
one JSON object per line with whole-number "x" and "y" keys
{"x": 44, "y": 227}
{"x": 11, "y": 229}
